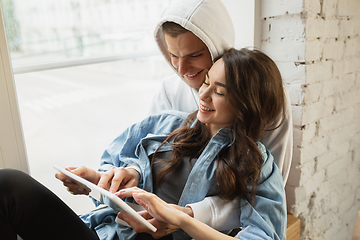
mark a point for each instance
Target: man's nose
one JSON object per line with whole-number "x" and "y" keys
{"x": 183, "y": 66}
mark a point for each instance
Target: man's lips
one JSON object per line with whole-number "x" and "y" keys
{"x": 193, "y": 75}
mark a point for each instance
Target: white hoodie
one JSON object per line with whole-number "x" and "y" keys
{"x": 209, "y": 21}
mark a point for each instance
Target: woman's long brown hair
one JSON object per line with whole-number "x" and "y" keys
{"x": 254, "y": 91}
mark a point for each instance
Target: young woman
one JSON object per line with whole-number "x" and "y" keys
{"x": 212, "y": 152}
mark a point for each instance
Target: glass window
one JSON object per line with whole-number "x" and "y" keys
{"x": 84, "y": 71}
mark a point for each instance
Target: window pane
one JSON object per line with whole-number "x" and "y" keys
{"x": 48, "y": 30}
{"x": 71, "y": 115}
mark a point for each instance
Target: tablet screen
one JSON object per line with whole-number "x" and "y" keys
{"x": 95, "y": 192}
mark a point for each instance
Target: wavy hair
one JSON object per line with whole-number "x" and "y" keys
{"x": 255, "y": 94}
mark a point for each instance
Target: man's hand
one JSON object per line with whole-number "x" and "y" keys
{"x": 163, "y": 228}
{"x": 118, "y": 178}
{"x": 84, "y": 172}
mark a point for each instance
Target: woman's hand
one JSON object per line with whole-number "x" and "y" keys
{"x": 157, "y": 212}
{"x": 169, "y": 213}
{"x": 118, "y": 178}
{"x": 84, "y": 172}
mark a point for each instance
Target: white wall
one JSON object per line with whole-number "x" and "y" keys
{"x": 242, "y": 15}
{"x": 12, "y": 148}
{"x": 316, "y": 45}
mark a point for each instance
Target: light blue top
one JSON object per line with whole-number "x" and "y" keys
{"x": 265, "y": 220}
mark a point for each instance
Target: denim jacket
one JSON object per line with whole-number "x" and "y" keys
{"x": 266, "y": 220}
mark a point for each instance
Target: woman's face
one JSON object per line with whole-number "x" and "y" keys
{"x": 213, "y": 110}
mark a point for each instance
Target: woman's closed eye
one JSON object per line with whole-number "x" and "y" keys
{"x": 216, "y": 90}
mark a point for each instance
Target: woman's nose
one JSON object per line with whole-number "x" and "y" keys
{"x": 204, "y": 94}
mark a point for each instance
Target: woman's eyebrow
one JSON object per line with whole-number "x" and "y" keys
{"x": 220, "y": 84}
{"x": 216, "y": 83}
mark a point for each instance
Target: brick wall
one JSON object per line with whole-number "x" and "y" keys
{"x": 316, "y": 44}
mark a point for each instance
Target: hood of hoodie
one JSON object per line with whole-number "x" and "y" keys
{"x": 207, "y": 19}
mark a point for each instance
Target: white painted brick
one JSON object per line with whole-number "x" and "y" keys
{"x": 314, "y": 28}
{"x": 348, "y": 8}
{"x": 314, "y": 50}
{"x": 315, "y": 182}
{"x": 333, "y": 168}
{"x": 335, "y": 196}
{"x": 285, "y": 51}
{"x": 347, "y": 99}
{"x": 317, "y": 110}
{"x": 297, "y": 132}
{"x": 338, "y": 69}
{"x": 330, "y": 233}
{"x": 312, "y": 7}
{"x": 357, "y": 79}
{"x": 330, "y": 8}
{"x": 333, "y": 49}
{"x": 313, "y": 92}
{"x": 331, "y": 28}
{"x": 351, "y": 65}
{"x": 347, "y": 202}
{"x": 348, "y": 82}
{"x": 292, "y": 73}
{"x": 310, "y": 132}
{"x": 353, "y": 175}
{"x": 355, "y": 142}
{"x": 331, "y": 87}
{"x": 351, "y": 47}
{"x": 297, "y": 112}
{"x": 314, "y": 149}
{"x": 333, "y": 155}
{"x": 342, "y": 134}
{"x": 307, "y": 170}
{"x": 323, "y": 223}
{"x": 284, "y": 28}
{"x": 319, "y": 71}
{"x": 296, "y": 94}
{"x": 282, "y": 7}
{"x": 347, "y": 28}
{"x": 324, "y": 194}
{"x": 336, "y": 120}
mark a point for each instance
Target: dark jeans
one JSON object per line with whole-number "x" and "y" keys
{"x": 30, "y": 210}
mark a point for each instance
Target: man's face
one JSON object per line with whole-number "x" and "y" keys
{"x": 190, "y": 56}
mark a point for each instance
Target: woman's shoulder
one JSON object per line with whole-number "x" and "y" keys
{"x": 170, "y": 114}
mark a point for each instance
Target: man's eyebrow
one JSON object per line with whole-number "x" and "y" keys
{"x": 187, "y": 55}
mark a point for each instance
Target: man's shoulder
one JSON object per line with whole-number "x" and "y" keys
{"x": 174, "y": 82}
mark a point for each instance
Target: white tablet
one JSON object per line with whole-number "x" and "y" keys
{"x": 92, "y": 188}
